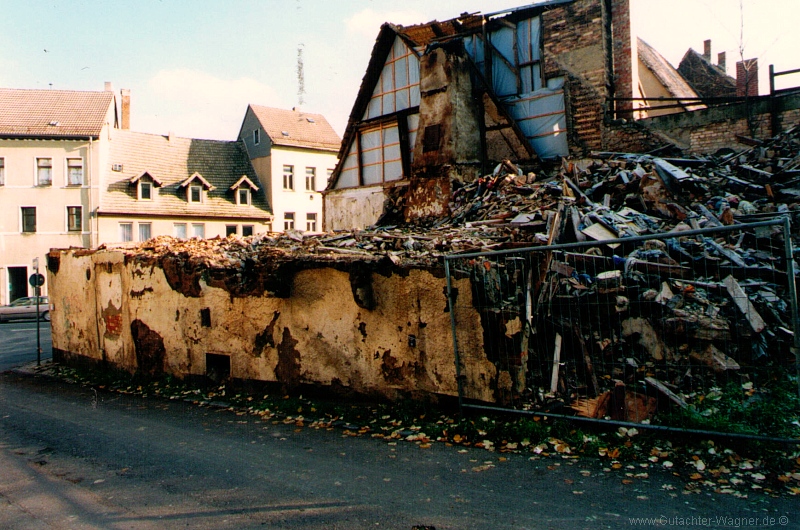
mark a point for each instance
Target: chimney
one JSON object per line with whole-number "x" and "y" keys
{"x": 721, "y": 60}
{"x": 108, "y": 87}
{"x": 707, "y": 49}
{"x": 125, "y": 108}
{"x": 170, "y": 137}
{"x": 747, "y": 78}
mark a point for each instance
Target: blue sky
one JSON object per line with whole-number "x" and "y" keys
{"x": 194, "y": 65}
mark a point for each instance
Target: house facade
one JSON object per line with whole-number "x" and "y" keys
{"x": 154, "y": 185}
{"x": 53, "y": 146}
{"x": 293, "y": 153}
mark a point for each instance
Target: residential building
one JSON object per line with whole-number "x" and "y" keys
{"x": 52, "y": 150}
{"x": 660, "y": 85}
{"x": 156, "y": 185}
{"x": 293, "y": 154}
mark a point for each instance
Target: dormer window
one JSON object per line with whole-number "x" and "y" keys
{"x": 146, "y": 185}
{"x": 196, "y": 188}
{"x": 243, "y": 190}
{"x": 145, "y": 191}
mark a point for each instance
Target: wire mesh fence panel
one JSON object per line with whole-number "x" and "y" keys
{"x": 690, "y": 329}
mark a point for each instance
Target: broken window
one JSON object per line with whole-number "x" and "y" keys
{"x": 432, "y": 138}
{"x": 74, "y": 218}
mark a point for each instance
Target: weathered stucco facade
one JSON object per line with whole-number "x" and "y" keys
{"x": 362, "y": 326}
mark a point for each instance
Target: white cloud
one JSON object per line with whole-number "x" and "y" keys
{"x": 368, "y": 22}
{"x": 197, "y": 104}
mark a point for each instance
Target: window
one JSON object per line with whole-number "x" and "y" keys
{"x": 145, "y": 191}
{"x": 398, "y": 86}
{"x": 74, "y": 171}
{"x": 74, "y": 218}
{"x": 126, "y": 232}
{"x": 288, "y": 221}
{"x": 29, "y": 219}
{"x": 2, "y": 171}
{"x": 311, "y": 178}
{"x": 288, "y": 177}
{"x": 44, "y": 171}
{"x": 256, "y": 136}
{"x": 195, "y": 193}
{"x": 198, "y": 230}
{"x": 247, "y": 230}
{"x": 145, "y": 231}
{"x": 180, "y": 230}
{"x": 243, "y": 196}
{"x": 230, "y": 230}
{"x": 311, "y": 222}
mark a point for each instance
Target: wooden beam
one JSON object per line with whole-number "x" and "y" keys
{"x": 742, "y": 301}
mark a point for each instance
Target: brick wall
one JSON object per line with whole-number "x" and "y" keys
{"x": 575, "y": 44}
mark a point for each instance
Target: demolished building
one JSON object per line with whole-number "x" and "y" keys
{"x": 604, "y": 283}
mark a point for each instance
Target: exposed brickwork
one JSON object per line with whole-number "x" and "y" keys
{"x": 574, "y": 39}
{"x": 747, "y": 78}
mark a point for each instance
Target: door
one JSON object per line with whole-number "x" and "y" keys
{"x": 17, "y": 283}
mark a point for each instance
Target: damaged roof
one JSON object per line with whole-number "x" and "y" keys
{"x": 171, "y": 162}
{"x": 295, "y": 128}
{"x": 26, "y": 113}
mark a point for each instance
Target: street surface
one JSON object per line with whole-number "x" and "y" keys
{"x": 71, "y": 457}
{"x": 18, "y": 343}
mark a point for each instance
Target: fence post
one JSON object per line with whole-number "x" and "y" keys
{"x": 456, "y": 355}
{"x": 787, "y": 237}
{"x": 775, "y": 124}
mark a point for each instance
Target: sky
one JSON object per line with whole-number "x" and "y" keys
{"x": 193, "y": 66}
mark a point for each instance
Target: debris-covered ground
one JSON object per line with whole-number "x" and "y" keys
{"x": 746, "y": 470}
{"x": 690, "y": 329}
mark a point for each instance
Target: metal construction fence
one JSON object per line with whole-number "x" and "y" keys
{"x": 690, "y": 330}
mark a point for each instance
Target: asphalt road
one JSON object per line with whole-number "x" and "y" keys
{"x": 18, "y": 343}
{"x": 71, "y": 458}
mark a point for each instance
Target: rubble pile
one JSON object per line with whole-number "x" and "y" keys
{"x": 616, "y": 312}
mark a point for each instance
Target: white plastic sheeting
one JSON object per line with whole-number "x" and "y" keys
{"x": 540, "y": 115}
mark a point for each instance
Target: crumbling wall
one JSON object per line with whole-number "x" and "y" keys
{"x": 353, "y": 208}
{"x": 369, "y": 327}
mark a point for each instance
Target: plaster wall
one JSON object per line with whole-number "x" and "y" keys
{"x": 121, "y": 310}
{"x": 353, "y": 208}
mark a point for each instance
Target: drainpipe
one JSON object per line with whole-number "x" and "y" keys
{"x": 92, "y": 233}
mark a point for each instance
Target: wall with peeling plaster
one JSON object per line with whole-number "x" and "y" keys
{"x": 373, "y": 331}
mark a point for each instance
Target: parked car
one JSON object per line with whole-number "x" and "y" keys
{"x": 25, "y": 307}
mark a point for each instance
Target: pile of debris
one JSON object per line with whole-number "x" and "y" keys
{"x": 662, "y": 307}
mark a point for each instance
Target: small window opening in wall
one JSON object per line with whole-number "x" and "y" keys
{"x": 205, "y": 317}
{"x": 218, "y": 367}
{"x": 432, "y": 137}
